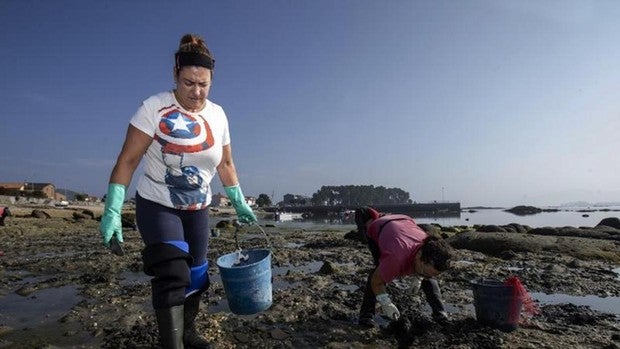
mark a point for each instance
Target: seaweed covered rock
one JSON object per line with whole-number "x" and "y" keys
{"x": 79, "y": 216}
{"x": 598, "y": 232}
{"x": 497, "y": 243}
{"x": 490, "y": 228}
{"x": 88, "y": 213}
{"x": 613, "y": 222}
{"x": 431, "y": 229}
{"x": 524, "y": 210}
{"x": 40, "y": 214}
{"x": 354, "y": 235}
{"x": 128, "y": 220}
{"x": 224, "y": 223}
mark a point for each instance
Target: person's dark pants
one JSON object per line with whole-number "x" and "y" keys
{"x": 367, "y": 311}
{"x": 176, "y": 240}
{"x": 176, "y": 256}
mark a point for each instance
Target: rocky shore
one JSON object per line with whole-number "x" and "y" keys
{"x": 103, "y": 300}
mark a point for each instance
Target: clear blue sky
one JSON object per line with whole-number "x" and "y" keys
{"x": 482, "y": 102}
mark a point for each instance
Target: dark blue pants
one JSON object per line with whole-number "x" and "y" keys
{"x": 176, "y": 250}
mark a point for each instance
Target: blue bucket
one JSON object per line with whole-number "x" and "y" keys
{"x": 496, "y": 304}
{"x": 248, "y": 284}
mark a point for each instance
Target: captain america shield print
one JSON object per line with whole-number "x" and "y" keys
{"x": 181, "y": 136}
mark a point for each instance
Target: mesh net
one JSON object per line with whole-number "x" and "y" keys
{"x": 521, "y": 299}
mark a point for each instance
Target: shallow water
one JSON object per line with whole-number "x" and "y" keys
{"x": 40, "y": 307}
{"x": 609, "y": 305}
{"x": 568, "y": 216}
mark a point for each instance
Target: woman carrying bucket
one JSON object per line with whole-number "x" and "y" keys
{"x": 184, "y": 139}
{"x": 399, "y": 248}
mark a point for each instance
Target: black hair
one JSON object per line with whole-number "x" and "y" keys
{"x": 193, "y": 50}
{"x": 437, "y": 252}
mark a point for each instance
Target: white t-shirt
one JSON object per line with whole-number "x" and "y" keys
{"x": 186, "y": 149}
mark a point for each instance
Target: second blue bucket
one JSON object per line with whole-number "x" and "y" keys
{"x": 247, "y": 284}
{"x": 496, "y": 304}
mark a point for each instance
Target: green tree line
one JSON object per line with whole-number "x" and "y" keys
{"x": 359, "y": 195}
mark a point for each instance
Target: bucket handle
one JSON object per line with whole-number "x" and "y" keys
{"x": 238, "y": 228}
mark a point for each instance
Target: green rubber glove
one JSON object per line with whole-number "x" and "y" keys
{"x": 244, "y": 212}
{"x": 111, "y": 220}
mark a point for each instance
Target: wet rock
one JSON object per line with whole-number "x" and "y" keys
{"x": 613, "y": 222}
{"x": 328, "y": 268}
{"x": 555, "y": 268}
{"x": 128, "y": 220}
{"x": 241, "y": 337}
{"x": 354, "y": 235}
{"x": 26, "y": 290}
{"x": 518, "y": 228}
{"x": 88, "y": 213}
{"x": 78, "y": 216}
{"x": 225, "y": 224}
{"x": 524, "y": 210}
{"x": 431, "y": 229}
{"x": 40, "y": 214}
{"x": 598, "y": 232}
{"x": 491, "y": 229}
{"x": 576, "y": 263}
{"x": 450, "y": 229}
{"x": 278, "y": 334}
{"x": 508, "y": 255}
{"x": 544, "y": 231}
{"x": 509, "y": 229}
{"x": 495, "y": 244}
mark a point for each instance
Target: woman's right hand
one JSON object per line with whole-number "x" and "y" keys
{"x": 111, "y": 225}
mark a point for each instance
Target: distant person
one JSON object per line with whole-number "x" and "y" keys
{"x": 4, "y": 212}
{"x": 399, "y": 247}
{"x": 184, "y": 138}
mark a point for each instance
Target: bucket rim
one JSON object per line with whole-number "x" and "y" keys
{"x": 487, "y": 282}
{"x": 269, "y": 254}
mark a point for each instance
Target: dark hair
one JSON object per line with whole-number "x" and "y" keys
{"x": 193, "y": 44}
{"x": 437, "y": 252}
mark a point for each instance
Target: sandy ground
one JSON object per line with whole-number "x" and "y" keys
{"x": 61, "y": 289}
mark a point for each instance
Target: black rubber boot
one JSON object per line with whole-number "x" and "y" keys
{"x": 433, "y": 297}
{"x": 191, "y": 338}
{"x": 367, "y": 311}
{"x": 170, "y": 323}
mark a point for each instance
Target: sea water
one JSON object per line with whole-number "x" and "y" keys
{"x": 570, "y": 216}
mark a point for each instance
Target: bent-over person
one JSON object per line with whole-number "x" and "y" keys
{"x": 400, "y": 248}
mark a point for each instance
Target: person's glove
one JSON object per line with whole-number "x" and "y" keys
{"x": 244, "y": 212}
{"x": 387, "y": 307}
{"x": 111, "y": 225}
